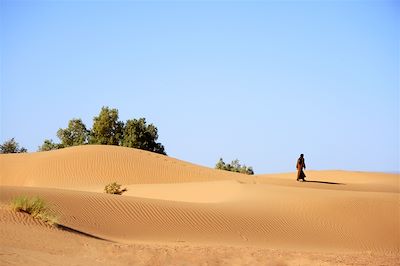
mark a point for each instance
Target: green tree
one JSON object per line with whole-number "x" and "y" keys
{"x": 49, "y": 145}
{"x": 234, "y": 166}
{"x": 137, "y": 134}
{"x": 106, "y": 128}
{"x": 220, "y": 164}
{"x": 75, "y": 134}
{"x": 11, "y": 146}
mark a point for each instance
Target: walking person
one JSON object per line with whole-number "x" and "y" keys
{"x": 300, "y": 166}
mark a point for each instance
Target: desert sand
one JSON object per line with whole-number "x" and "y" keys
{"x": 178, "y": 213}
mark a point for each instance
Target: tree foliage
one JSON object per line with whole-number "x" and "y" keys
{"x": 11, "y": 146}
{"x": 106, "y": 128}
{"x": 234, "y": 166}
{"x": 75, "y": 134}
{"x": 137, "y": 134}
{"x": 49, "y": 145}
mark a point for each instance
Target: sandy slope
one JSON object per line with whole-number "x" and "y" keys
{"x": 99, "y": 165}
{"x": 26, "y": 241}
{"x": 178, "y": 203}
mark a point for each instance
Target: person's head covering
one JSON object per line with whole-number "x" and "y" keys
{"x": 301, "y": 155}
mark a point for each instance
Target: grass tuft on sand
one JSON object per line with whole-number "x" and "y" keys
{"x": 34, "y": 206}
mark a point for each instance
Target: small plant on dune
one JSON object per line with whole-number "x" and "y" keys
{"x": 234, "y": 166}
{"x": 34, "y": 206}
{"x": 114, "y": 188}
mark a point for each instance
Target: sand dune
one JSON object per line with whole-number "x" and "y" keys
{"x": 99, "y": 165}
{"x": 321, "y": 220}
{"x": 26, "y": 241}
{"x": 171, "y": 202}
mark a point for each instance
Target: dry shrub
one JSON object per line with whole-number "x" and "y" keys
{"x": 114, "y": 188}
{"x": 34, "y": 206}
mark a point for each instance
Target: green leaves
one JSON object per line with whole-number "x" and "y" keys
{"x": 234, "y": 166}
{"x": 108, "y": 130}
{"x": 75, "y": 134}
{"x": 11, "y": 146}
{"x": 49, "y": 145}
{"x": 34, "y": 206}
{"x": 137, "y": 134}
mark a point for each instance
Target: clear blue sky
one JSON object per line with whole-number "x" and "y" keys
{"x": 258, "y": 81}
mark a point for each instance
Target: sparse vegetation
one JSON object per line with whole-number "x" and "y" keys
{"x": 234, "y": 166}
{"x": 11, "y": 146}
{"x": 138, "y": 134}
{"x": 107, "y": 129}
{"x": 114, "y": 188}
{"x": 49, "y": 145}
{"x": 34, "y": 206}
{"x": 75, "y": 134}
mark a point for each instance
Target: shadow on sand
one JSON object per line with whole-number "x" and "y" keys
{"x": 323, "y": 182}
{"x": 74, "y": 231}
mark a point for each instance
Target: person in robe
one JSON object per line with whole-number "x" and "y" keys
{"x": 300, "y": 166}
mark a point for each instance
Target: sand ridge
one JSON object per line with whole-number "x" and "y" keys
{"x": 178, "y": 203}
{"x": 34, "y": 243}
{"x": 88, "y": 165}
{"x": 315, "y": 220}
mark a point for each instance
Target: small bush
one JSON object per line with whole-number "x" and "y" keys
{"x": 34, "y": 206}
{"x": 114, "y": 188}
{"x": 234, "y": 166}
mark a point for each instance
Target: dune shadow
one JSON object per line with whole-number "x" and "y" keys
{"x": 74, "y": 231}
{"x": 323, "y": 182}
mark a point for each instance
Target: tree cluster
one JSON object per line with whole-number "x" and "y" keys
{"x": 11, "y": 146}
{"x": 234, "y": 166}
{"x": 108, "y": 130}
